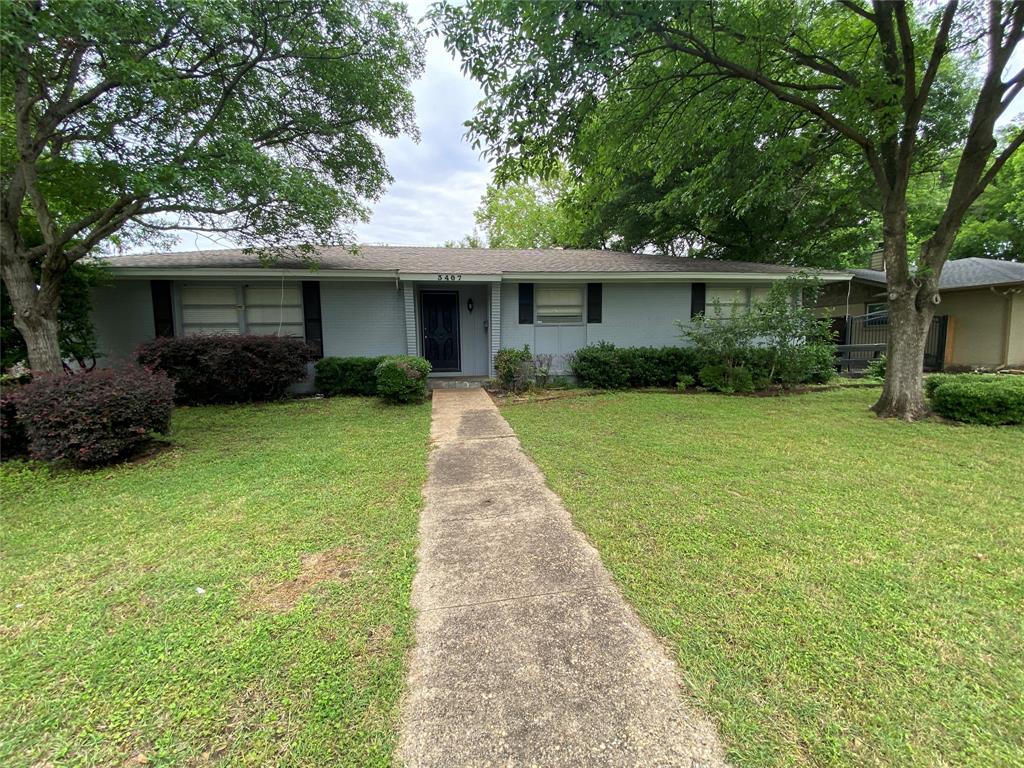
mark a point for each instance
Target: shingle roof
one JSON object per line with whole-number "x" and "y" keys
{"x": 462, "y": 260}
{"x": 973, "y": 272}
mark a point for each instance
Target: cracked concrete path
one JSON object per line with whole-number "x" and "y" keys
{"x": 526, "y": 653}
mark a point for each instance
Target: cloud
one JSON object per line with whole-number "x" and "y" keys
{"x": 438, "y": 181}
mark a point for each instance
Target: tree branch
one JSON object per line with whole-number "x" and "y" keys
{"x": 700, "y": 50}
{"x": 907, "y": 51}
{"x": 102, "y": 231}
{"x": 917, "y": 105}
{"x": 859, "y": 9}
{"x": 997, "y": 166}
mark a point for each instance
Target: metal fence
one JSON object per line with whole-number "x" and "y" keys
{"x": 865, "y": 337}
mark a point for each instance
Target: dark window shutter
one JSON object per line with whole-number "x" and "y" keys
{"x": 312, "y": 317}
{"x": 696, "y": 299}
{"x": 525, "y": 303}
{"x": 163, "y": 314}
{"x": 593, "y": 302}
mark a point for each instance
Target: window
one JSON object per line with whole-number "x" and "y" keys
{"x": 209, "y": 309}
{"x": 559, "y": 305}
{"x": 877, "y": 314}
{"x": 732, "y": 299}
{"x": 274, "y": 310}
{"x": 269, "y": 309}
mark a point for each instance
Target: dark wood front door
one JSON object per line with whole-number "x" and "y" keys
{"x": 440, "y": 323}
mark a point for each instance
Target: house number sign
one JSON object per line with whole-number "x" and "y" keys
{"x": 449, "y": 277}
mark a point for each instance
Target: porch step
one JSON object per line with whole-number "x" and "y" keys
{"x": 474, "y": 382}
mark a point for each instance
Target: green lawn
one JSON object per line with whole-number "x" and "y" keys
{"x": 838, "y": 589}
{"x": 111, "y": 652}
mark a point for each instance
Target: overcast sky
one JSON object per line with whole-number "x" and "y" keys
{"x": 439, "y": 180}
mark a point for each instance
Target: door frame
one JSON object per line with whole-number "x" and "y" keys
{"x": 458, "y": 328}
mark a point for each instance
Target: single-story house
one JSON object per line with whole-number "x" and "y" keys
{"x": 454, "y": 306}
{"x": 979, "y": 321}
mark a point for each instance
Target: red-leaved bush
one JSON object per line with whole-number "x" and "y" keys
{"x": 13, "y": 442}
{"x": 228, "y": 369}
{"x": 95, "y": 417}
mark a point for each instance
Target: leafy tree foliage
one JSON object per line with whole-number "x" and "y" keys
{"x": 246, "y": 117}
{"x": 472, "y": 240}
{"x": 993, "y": 227}
{"x": 531, "y": 213}
{"x": 525, "y": 214}
{"x": 871, "y": 90}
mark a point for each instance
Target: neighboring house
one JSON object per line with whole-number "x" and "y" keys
{"x": 455, "y": 306}
{"x": 979, "y": 322}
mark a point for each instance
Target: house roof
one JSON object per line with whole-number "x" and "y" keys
{"x": 973, "y": 272}
{"x": 402, "y": 259}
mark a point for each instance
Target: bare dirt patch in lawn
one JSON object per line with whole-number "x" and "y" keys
{"x": 315, "y": 569}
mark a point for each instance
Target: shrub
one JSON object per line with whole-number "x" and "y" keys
{"x": 727, "y": 378}
{"x": 806, "y": 364}
{"x": 96, "y": 417}
{"x": 934, "y": 380}
{"x": 13, "y": 440}
{"x": 685, "y": 381}
{"x": 876, "y": 368}
{"x": 226, "y": 368}
{"x": 402, "y": 379}
{"x": 514, "y": 369}
{"x": 605, "y": 366}
{"x": 600, "y": 366}
{"x": 669, "y": 363}
{"x": 980, "y": 399}
{"x": 541, "y": 366}
{"x": 777, "y": 342}
{"x": 347, "y": 375}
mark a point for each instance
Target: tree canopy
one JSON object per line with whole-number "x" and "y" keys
{"x": 139, "y": 118}
{"x": 526, "y": 214}
{"x": 667, "y": 154}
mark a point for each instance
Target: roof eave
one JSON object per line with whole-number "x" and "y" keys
{"x": 235, "y": 273}
{"x": 688, "y": 277}
{"x": 327, "y": 273}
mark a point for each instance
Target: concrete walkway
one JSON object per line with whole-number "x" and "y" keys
{"x": 526, "y": 653}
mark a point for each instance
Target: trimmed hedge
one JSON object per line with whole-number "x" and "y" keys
{"x": 978, "y": 399}
{"x": 226, "y": 368}
{"x": 96, "y": 417}
{"x": 347, "y": 375}
{"x": 933, "y": 380}
{"x": 606, "y": 366}
{"x": 402, "y": 379}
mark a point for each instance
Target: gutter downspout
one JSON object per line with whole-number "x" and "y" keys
{"x": 1007, "y": 294}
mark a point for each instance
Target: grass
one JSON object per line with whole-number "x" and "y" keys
{"x": 159, "y": 612}
{"x": 839, "y": 590}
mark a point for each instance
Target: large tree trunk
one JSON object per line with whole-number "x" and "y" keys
{"x": 902, "y": 394}
{"x": 35, "y": 315}
{"x": 41, "y": 339}
{"x": 910, "y": 316}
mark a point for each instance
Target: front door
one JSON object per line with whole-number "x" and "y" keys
{"x": 440, "y": 322}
